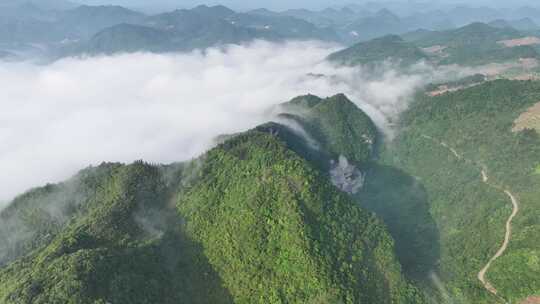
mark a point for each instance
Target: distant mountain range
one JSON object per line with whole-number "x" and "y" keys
{"x": 201, "y": 27}
{"x": 109, "y": 29}
{"x": 474, "y": 44}
{"x": 357, "y": 23}
{"x": 57, "y": 29}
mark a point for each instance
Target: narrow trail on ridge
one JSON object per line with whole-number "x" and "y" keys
{"x": 508, "y": 234}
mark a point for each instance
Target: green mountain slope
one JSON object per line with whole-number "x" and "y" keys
{"x": 336, "y": 124}
{"x": 472, "y": 34}
{"x": 469, "y": 212}
{"x": 128, "y": 38}
{"x": 121, "y": 246}
{"x": 336, "y": 127}
{"x": 288, "y": 228}
{"x": 252, "y": 221}
{"x": 377, "y": 50}
{"x": 474, "y": 44}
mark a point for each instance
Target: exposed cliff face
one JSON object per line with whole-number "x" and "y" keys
{"x": 346, "y": 176}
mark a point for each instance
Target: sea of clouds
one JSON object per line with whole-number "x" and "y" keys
{"x": 61, "y": 117}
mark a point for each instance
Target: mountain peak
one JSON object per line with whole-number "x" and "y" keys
{"x": 217, "y": 10}
{"x": 477, "y": 25}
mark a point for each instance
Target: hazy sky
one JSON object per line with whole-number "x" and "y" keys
{"x": 239, "y": 4}
{"x": 285, "y": 4}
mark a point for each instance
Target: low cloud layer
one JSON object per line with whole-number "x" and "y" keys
{"x": 62, "y": 117}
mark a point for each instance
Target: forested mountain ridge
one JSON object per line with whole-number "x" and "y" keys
{"x": 57, "y": 29}
{"x": 115, "y": 29}
{"x": 203, "y": 27}
{"x": 283, "y": 237}
{"x": 252, "y": 220}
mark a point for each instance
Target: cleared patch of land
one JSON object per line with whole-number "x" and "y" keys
{"x": 525, "y": 77}
{"x": 531, "y": 40}
{"x": 528, "y": 120}
{"x": 528, "y": 63}
{"x": 436, "y": 49}
{"x": 531, "y": 300}
{"x": 494, "y": 70}
{"x": 442, "y": 89}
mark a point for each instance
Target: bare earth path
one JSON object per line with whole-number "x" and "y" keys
{"x": 508, "y": 235}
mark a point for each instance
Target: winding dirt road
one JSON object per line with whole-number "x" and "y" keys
{"x": 508, "y": 235}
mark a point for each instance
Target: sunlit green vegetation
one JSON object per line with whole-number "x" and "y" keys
{"x": 279, "y": 214}
{"x": 470, "y": 215}
{"x": 255, "y": 220}
{"x": 120, "y": 246}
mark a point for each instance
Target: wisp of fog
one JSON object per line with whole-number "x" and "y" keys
{"x": 59, "y": 118}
